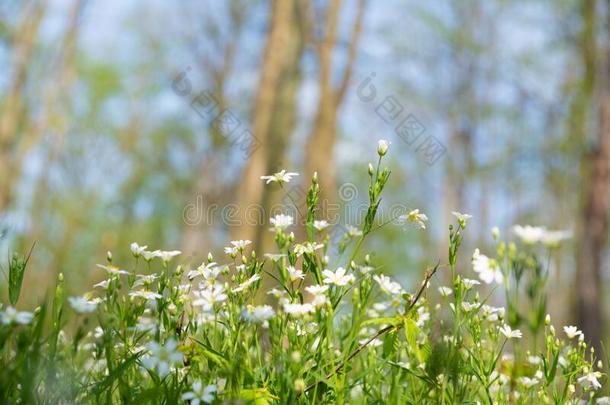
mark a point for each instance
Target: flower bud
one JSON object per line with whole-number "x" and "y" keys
{"x": 382, "y": 147}
{"x": 299, "y": 385}
{"x": 495, "y": 232}
{"x": 109, "y": 256}
{"x": 371, "y": 169}
{"x": 547, "y": 320}
{"x": 210, "y": 257}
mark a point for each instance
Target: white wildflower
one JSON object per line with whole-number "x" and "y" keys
{"x": 207, "y": 297}
{"x": 445, "y": 291}
{"x": 382, "y": 147}
{"x": 166, "y": 256}
{"x": 488, "y": 269}
{"x": 510, "y": 333}
{"x": 307, "y": 248}
{"x": 528, "y": 382}
{"x": 415, "y": 217}
{"x": 147, "y": 295}
{"x": 552, "y": 239}
{"x": 243, "y": 286}
{"x": 320, "y": 225}
{"x": 590, "y": 380}
{"x": 199, "y": 393}
{"x": 112, "y": 269}
{"x": 295, "y": 274}
{"x": 469, "y": 283}
{"x": 529, "y": 234}
{"x": 298, "y": 309}
{"x": 387, "y": 285}
{"x": 338, "y": 278}
{"x": 571, "y": 331}
{"x": 162, "y": 357}
{"x": 11, "y": 315}
{"x": 279, "y": 177}
{"x": 281, "y": 221}
{"x": 352, "y": 231}
{"x": 137, "y": 250}
{"x": 462, "y": 218}
{"x": 240, "y": 244}
{"x": 82, "y": 305}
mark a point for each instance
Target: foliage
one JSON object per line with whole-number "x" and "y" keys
{"x": 336, "y": 329}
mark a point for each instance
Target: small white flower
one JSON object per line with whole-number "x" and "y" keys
{"x": 493, "y": 314}
{"x": 210, "y": 296}
{"x": 528, "y": 382}
{"x": 295, "y": 274}
{"x": 316, "y": 289}
{"x": 320, "y": 225}
{"x": 298, "y": 309}
{"x": 274, "y": 257}
{"x": 352, "y": 231}
{"x": 258, "y": 314}
{"x": 240, "y": 244}
{"x": 209, "y": 271}
{"x": 11, "y": 315}
{"x": 137, "y": 250}
{"x": 281, "y": 221}
{"x": 279, "y": 177}
{"x": 243, "y": 286}
{"x": 535, "y": 360}
{"x": 148, "y": 256}
{"x": 102, "y": 284}
{"x": 590, "y": 380}
{"x": 82, "y": 305}
{"x": 571, "y": 331}
{"x": 462, "y": 218}
{"x": 468, "y": 306}
{"x": 162, "y": 357}
{"x": 415, "y": 217}
{"x": 338, "y": 278}
{"x": 199, "y": 393}
{"x": 469, "y": 283}
{"x": 387, "y": 285}
{"x": 166, "y": 256}
{"x": 487, "y": 268}
{"x": 112, "y": 269}
{"x": 529, "y": 234}
{"x": 445, "y": 291}
{"x": 552, "y": 239}
{"x": 307, "y": 248}
{"x": 382, "y": 147}
{"x": 319, "y": 294}
{"x": 145, "y": 279}
{"x": 509, "y": 333}
{"x": 147, "y": 295}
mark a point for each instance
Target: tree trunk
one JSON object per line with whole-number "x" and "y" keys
{"x": 250, "y": 190}
{"x": 593, "y": 221}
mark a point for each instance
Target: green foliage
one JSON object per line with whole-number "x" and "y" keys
{"x": 329, "y": 333}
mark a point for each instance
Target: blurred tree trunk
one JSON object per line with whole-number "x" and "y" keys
{"x": 206, "y": 188}
{"x": 250, "y": 190}
{"x": 320, "y": 146}
{"x": 593, "y": 220}
{"x": 283, "y": 124}
{"x": 12, "y": 110}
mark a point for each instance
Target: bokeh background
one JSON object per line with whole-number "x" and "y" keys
{"x": 152, "y": 121}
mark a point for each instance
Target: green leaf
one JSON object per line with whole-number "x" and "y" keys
{"x": 16, "y": 270}
{"x": 389, "y": 344}
{"x": 212, "y": 354}
{"x": 115, "y": 374}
